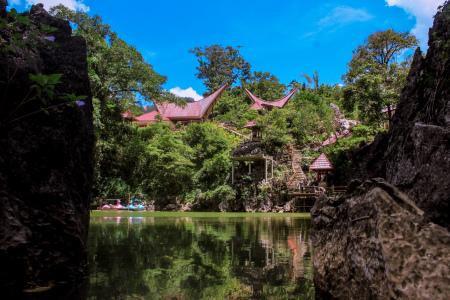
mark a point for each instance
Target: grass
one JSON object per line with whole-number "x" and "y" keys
{"x": 164, "y": 214}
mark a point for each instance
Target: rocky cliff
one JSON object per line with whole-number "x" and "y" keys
{"x": 415, "y": 154}
{"x": 46, "y": 162}
{"x": 382, "y": 239}
{"x": 373, "y": 243}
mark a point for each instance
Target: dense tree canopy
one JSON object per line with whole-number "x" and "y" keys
{"x": 158, "y": 163}
{"x": 117, "y": 70}
{"x": 377, "y": 73}
{"x": 265, "y": 86}
{"x": 219, "y": 65}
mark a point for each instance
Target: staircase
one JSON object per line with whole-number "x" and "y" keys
{"x": 299, "y": 176}
{"x": 233, "y": 131}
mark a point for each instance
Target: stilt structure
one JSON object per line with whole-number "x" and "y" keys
{"x": 267, "y": 160}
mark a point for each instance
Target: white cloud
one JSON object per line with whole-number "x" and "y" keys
{"x": 423, "y": 11}
{"x": 72, "y": 4}
{"x": 189, "y": 92}
{"x": 343, "y": 15}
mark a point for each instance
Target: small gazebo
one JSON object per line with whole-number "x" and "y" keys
{"x": 256, "y": 131}
{"x": 322, "y": 165}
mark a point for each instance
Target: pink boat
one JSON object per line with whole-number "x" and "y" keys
{"x": 117, "y": 206}
{"x": 112, "y": 204}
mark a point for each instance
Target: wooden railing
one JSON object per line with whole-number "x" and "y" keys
{"x": 339, "y": 189}
{"x": 293, "y": 167}
{"x": 334, "y": 190}
{"x": 233, "y": 131}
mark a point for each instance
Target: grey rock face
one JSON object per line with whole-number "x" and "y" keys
{"x": 415, "y": 154}
{"x": 46, "y": 167}
{"x": 373, "y": 243}
{"x": 342, "y": 124}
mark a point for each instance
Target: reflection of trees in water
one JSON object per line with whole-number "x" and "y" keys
{"x": 200, "y": 258}
{"x": 276, "y": 258}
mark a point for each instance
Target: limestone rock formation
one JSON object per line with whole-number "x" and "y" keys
{"x": 46, "y": 165}
{"x": 373, "y": 243}
{"x": 415, "y": 154}
{"x": 341, "y": 124}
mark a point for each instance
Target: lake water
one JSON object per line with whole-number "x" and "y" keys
{"x": 199, "y": 256}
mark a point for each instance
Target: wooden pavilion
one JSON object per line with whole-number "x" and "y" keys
{"x": 256, "y": 131}
{"x": 322, "y": 166}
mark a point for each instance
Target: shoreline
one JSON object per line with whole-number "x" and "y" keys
{"x": 166, "y": 214}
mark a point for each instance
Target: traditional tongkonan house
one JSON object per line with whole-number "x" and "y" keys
{"x": 259, "y": 104}
{"x": 197, "y": 111}
{"x": 321, "y": 165}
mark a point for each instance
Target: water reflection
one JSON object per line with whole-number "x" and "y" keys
{"x": 199, "y": 258}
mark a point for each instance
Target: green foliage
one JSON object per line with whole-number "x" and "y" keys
{"x": 273, "y": 126}
{"x": 151, "y": 161}
{"x": 376, "y": 74}
{"x": 221, "y": 194}
{"x": 120, "y": 77}
{"x": 219, "y": 65}
{"x": 162, "y": 164}
{"x": 309, "y": 115}
{"x": 337, "y": 153}
{"x": 19, "y": 39}
{"x": 265, "y": 86}
{"x": 14, "y": 42}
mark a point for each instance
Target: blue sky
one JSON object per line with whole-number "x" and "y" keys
{"x": 286, "y": 38}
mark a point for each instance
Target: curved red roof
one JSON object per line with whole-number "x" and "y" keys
{"x": 321, "y": 163}
{"x": 251, "y": 124}
{"x": 193, "y": 110}
{"x": 259, "y": 104}
{"x": 148, "y": 118}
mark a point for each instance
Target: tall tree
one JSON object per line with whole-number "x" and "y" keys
{"x": 120, "y": 78}
{"x": 119, "y": 74}
{"x": 266, "y": 86}
{"x": 377, "y": 73}
{"x": 219, "y": 65}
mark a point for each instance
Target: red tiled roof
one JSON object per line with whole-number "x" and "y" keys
{"x": 193, "y": 110}
{"x": 258, "y": 103}
{"x": 150, "y": 117}
{"x": 250, "y": 124}
{"x": 333, "y": 139}
{"x": 321, "y": 163}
